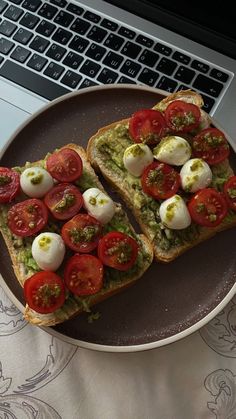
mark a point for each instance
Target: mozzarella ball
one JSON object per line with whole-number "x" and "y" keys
{"x": 174, "y": 213}
{"x": 99, "y": 205}
{"x": 195, "y": 175}
{"x": 48, "y": 250}
{"x": 136, "y": 158}
{"x": 36, "y": 182}
{"x": 173, "y": 150}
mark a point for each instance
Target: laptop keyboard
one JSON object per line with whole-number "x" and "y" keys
{"x": 54, "y": 47}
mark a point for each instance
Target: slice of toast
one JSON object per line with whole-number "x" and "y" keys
{"x": 115, "y": 281}
{"x": 105, "y": 152}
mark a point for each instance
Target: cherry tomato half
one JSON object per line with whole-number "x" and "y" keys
{"x": 181, "y": 116}
{"x": 207, "y": 207}
{"x": 65, "y": 165}
{"x": 82, "y": 233}
{"x": 147, "y": 126}
{"x": 27, "y": 217}
{"x": 84, "y": 274}
{"x": 118, "y": 250}
{"x": 64, "y": 201}
{"x": 9, "y": 184}
{"x": 211, "y": 145}
{"x": 44, "y": 292}
{"x": 230, "y": 192}
{"x": 160, "y": 180}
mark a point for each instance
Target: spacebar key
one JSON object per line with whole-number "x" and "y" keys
{"x": 32, "y": 81}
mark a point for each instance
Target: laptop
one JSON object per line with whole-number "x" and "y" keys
{"x": 51, "y": 47}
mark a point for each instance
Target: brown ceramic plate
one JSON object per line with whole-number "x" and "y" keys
{"x": 169, "y": 301}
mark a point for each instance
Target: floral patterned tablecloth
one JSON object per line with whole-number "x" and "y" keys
{"x": 42, "y": 377}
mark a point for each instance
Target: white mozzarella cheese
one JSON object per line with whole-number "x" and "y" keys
{"x": 136, "y": 158}
{"x": 173, "y": 150}
{"x": 174, "y": 213}
{"x": 99, "y": 205}
{"x": 195, "y": 175}
{"x": 36, "y": 182}
{"x": 48, "y": 250}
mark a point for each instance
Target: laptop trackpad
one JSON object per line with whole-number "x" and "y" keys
{"x": 11, "y": 117}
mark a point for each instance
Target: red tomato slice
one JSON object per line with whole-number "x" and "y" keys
{"x": 118, "y": 250}
{"x": 147, "y": 126}
{"x": 230, "y": 192}
{"x": 82, "y": 233}
{"x": 44, "y": 292}
{"x": 181, "y": 116}
{"x": 207, "y": 207}
{"x": 65, "y": 165}
{"x": 9, "y": 184}
{"x": 211, "y": 145}
{"x": 64, "y": 201}
{"x": 27, "y": 217}
{"x": 84, "y": 274}
{"x": 160, "y": 180}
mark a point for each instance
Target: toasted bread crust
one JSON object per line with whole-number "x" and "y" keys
{"x": 74, "y": 309}
{"x": 96, "y": 160}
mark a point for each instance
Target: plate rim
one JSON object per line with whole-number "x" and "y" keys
{"x": 90, "y": 345}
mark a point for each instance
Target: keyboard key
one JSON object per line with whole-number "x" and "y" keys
{"x": 60, "y": 3}
{"x": 93, "y": 17}
{"x": 45, "y": 28}
{"x": 184, "y": 74}
{"x": 13, "y": 13}
{"x": 207, "y": 85}
{"x": 6, "y": 46}
{"x": 148, "y": 76}
{"x": 163, "y": 49}
{"x": 7, "y": 28}
{"x": 130, "y": 68}
{"x": 167, "y": 84}
{"x": 182, "y": 58}
{"x": 71, "y": 79}
{"x": 113, "y": 60}
{"x": 20, "y": 54}
{"x": 87, "y": 83}
{"x": 3, "y": 5}
{"x": 16, "y": 1}
{"x": 143, "y": 40}
{"x": 29, "y": 20}
{"x": 56, "y": 52}
{"x": 37, "y": 62}
{"x": 128, "y": 33}
{"x": 64, "y": 18}
{"x": 131, "y": 50}
{"x": 107, "y": 76}
{"x": 208, "y": 103}
{"x": 182, "y": 87}
{"x": 54, "y": 70}
{"x": 89, "y": 68}
{"x": 108, "y": 24}
{"x": 124, "y": 79}
{"x": 114, "y": 42}
{"x": 166, "y": 66}
{"x": 96, "y": 52}
{"x": 31, "y": 5}
{"x": 148, "y": 58}
{"x": 200, "y": 66}
{"x": 48, "y": 11}
{"x": 62, "y": 36}
{"x": 79, "y": 44}
{"x": 76, "y": 10}
{"x": 1, "y": 59}
{"x": 23, "y": 36}
{"x": 80, "y": 26}
{"x": 97, "y": 34}
{"x": 31, "y": 81}
{"x": 219, "y": 75}
{"x": 73, "y": 60}
{"x": 39, "y": 44}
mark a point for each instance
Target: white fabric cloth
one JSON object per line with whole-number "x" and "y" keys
{"x": 42, "y": 377}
